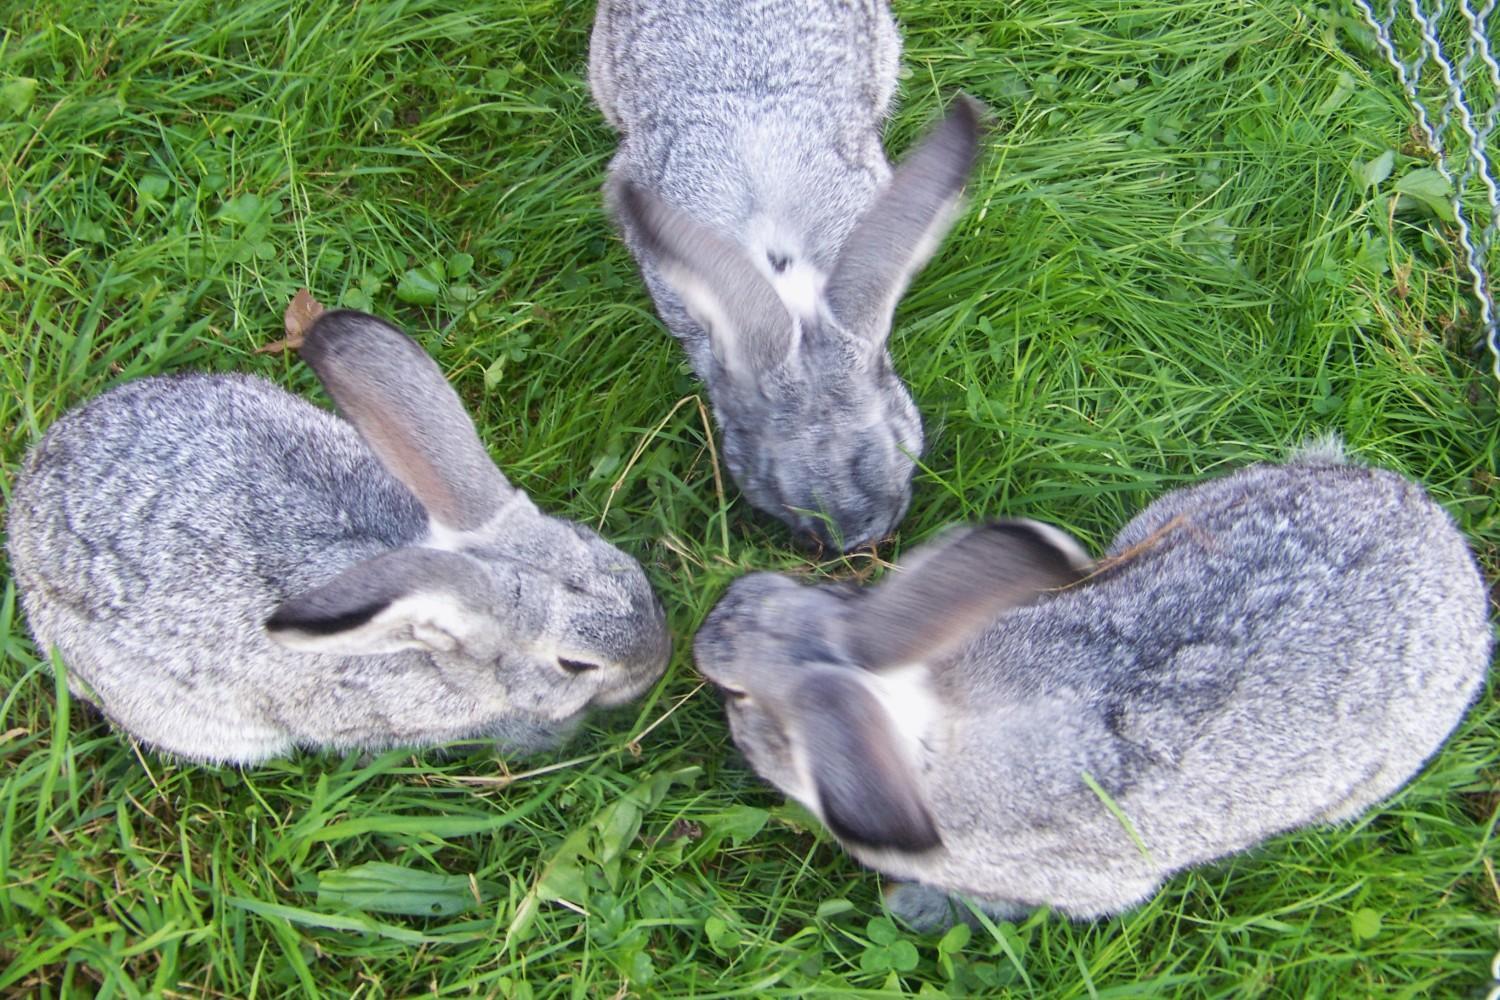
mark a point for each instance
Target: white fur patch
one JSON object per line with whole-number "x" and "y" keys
{"x": 446, "y": 539}
{"x": 907, "y": 697}
{"x": 1325, "y": 448}
{"x": 803, "y": 790}
{"x": 798, "y": 284}
{"x": 800, "y": 287}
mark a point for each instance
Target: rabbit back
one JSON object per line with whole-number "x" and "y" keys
{"x": 162, "y": 481}
{"x": 658, "y": 66}
{"x": 758, "y": 120}
{"x": 1283, "y": 646}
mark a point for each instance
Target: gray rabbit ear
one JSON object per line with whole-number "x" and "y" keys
{"x": 411, "y": 598}
{"x": 953, "y": 588}
{"x": 866, "y": 789}
{"x": 902, "y": 229}
{"x": 748, "y": 327}
{"x": 395, "y": 395}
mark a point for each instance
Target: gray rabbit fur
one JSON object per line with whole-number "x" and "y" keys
{"x": 230, "y": 572}
{"x": 1282, "y": 646}
{"x": 751, "y": 186}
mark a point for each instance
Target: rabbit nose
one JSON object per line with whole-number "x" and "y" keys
{"x": 816, "y": 534}
{"x": 651, "y": 646}
{"x": 846, "y": 536}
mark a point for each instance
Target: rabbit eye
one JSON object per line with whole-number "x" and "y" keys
{"x": 576, "y": 667}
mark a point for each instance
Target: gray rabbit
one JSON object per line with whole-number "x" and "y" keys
{"x": 1001, "y": 720}
{"x": 229, "y": 572}
{"x": 751, "y": 185}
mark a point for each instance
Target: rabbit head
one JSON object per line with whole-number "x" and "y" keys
{"x": 543, "y": 609}
{"x": 831, "y": 691}
{"x": 818, "y": 429}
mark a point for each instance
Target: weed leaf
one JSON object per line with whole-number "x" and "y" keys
{"x": 379, "y": 887}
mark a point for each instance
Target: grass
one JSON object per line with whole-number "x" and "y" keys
{"x": 1168, "y": 268}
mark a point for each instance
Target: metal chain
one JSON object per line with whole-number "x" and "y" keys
{"x": 1478, "y": 130}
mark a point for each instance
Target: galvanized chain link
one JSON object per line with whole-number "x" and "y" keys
{"x": 1456, "y": 106}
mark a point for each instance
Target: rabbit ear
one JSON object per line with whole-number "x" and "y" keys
{"x": 748, "y": 327}
{"x": 953, "y": 588}
{"x": 900, "y": 231}
{"x": 866, "y": 789}
{"x": 397, "y": 398}
{"x": 411, "y": 598}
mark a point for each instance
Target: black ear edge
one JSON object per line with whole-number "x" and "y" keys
{"x": 291, "y": 617}
{"x": 1049, "y": 550}
{"x": 970, "y": 112}
{"x": 947, "y": 154}
{"x": 965, "y": 122}
{"x": 638, "y": 210}
{"x": 362, "y": 591}
{"x": 339, "y": 331}
{"x": 864, "y": 786}
{"x": 911, "y": 833}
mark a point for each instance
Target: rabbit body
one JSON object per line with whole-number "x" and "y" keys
{"x": 155, "y": 531}
{"x": 760, "y": 120}
{"x": 1283, "y": 646}
{"x": 752, "y": 132}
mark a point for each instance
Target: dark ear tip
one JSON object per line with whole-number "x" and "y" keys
{"x": 342, "y": 329}
{"x": 969, "y": 111}
{"x": 633, "y": 205}
{"x": 616, "y": 189}
{"x": 960, "y": 132}
{"x": 283, "y": 619}
{"x": 922, "y": 837}
{"x": 626, "y": 196}
{"x": 927, "y": 840}
{"x": 912, "y": 833}
{"x": 306, "y": 616}
{"x": 1048, "y": 548}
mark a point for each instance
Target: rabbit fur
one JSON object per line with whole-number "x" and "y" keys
{"x": 230, "y": 572}
{"x": 752, "y": 188}
{"x": 1282, "y": 646}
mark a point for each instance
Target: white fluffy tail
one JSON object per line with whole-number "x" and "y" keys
{"x": 1326, "y": 448}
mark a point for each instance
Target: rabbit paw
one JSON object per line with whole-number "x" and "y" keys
{"x": 925, "y": 908}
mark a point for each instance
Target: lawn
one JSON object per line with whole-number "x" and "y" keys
{"x": 1182, "y": 253}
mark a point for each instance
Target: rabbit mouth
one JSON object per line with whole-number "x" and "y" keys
{"x": 610, "y": 699}
{"x": 626, "y": 692}
{"x": 824, "y": 534}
